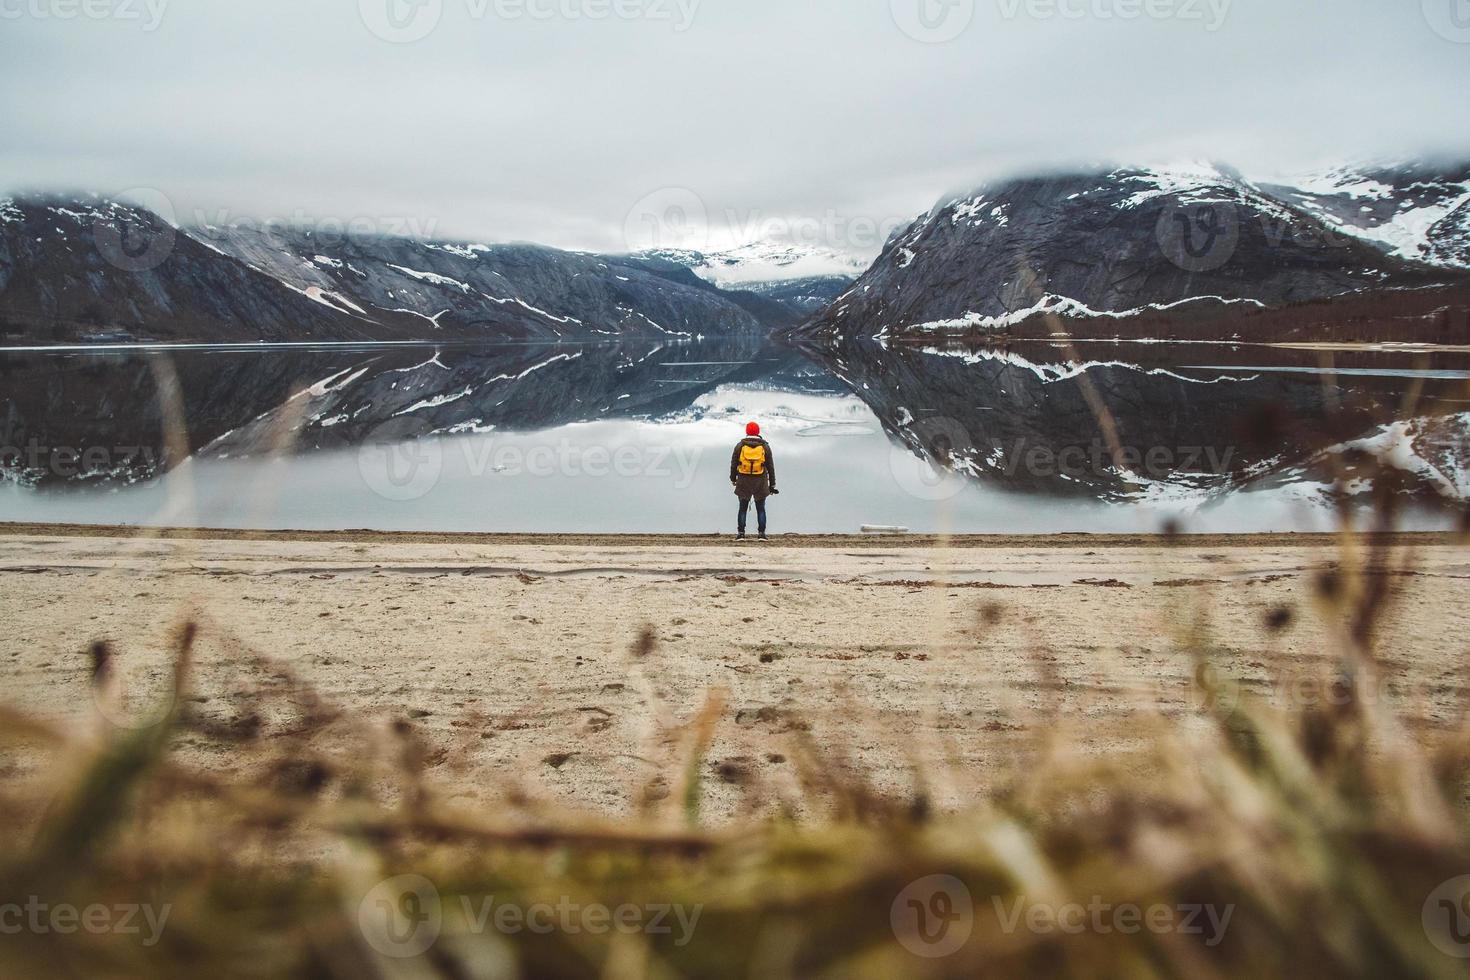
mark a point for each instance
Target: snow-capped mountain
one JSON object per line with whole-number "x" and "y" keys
{"x": 805, "y": 278}
{"x": 1133, "y": 251}
{"x": 765, "y": 262}
{"x": 1412, "y": 210}
{"x": 73, "y": 270}
{"x": 552, "y": 293}
{"x": 1099, "y": 247}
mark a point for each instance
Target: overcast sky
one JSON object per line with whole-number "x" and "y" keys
{"x": 539, "y": 120}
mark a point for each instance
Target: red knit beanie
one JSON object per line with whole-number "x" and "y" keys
{"x": 752, "y": 429}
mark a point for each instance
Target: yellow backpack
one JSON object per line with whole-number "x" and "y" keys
{"x": 752, "y": 460}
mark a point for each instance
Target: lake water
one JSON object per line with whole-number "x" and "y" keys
{"x": 1032, "y": 438}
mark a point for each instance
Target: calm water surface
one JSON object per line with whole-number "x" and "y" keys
{"x": 623, "y": 439}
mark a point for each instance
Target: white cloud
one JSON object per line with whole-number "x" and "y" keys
{"x": 552, "y": 129}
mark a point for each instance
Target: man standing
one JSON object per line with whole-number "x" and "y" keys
{"x": 753, "y": 475}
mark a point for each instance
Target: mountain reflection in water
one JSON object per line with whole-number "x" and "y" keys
{"x": 616, "y": 438}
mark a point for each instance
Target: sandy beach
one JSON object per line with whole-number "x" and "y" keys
{"x": 519, "y": 661}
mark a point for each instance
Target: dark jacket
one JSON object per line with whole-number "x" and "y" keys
{"x": 749, "y": 485}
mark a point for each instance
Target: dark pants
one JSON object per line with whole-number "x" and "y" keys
{"x": 760, "y": 513}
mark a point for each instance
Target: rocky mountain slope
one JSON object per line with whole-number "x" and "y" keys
{"x": 69, "y": 270}
{"x": 804, "y": 297}
{"x": 74, "y": 270}
{"x": 1096, "y": 248}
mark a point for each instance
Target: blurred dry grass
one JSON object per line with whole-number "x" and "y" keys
{"x": 1323, "y": 828}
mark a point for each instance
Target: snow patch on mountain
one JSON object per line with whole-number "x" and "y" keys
{"x": 517, "y": 301}
{"x": 1408, "y": 210}
{"x": 1430, "y": 447}
{"x": 763, "y": 262}
{"x": 536, "y": 367}
{"x": 333, "y": 382}
{"x": 1409, "y": 234}
{"x": 435, "y": 401}
{"x": 1049, "y": 373}
{"x": 463, "y": 251}
{"x": 86, "y": 217}
{"x": 1192, "y": 183}
{"x": 1061, "y": 306}
{"x": 977, "y": 210}
{"x": 327, "y": 298}
{"x": 431, "y": 277}
{"x": 432, "y": 319}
